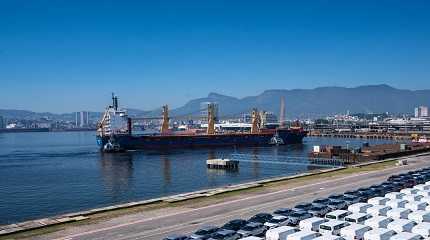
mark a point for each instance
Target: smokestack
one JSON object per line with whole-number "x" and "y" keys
{"x": 282, "y": 113}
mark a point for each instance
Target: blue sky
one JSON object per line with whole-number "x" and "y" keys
{"x": 64, "y": 56}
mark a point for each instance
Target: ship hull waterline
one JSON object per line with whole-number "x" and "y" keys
{"x": 136, "y": 142}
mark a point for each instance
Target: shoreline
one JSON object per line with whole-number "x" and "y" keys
{"x": 31, "y": 225}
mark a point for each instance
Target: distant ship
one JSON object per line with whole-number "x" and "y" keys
{"x": 112, "y": 136}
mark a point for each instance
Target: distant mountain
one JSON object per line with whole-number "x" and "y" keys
{"x": 299, "y": 103}
{"x": 323, "y": 101}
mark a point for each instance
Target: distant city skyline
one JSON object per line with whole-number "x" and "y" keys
{"x": 69, "y": 56}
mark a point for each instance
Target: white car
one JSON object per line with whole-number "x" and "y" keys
{"x": 280, "y": 232}
{"x": 378, "y": 222}
{"x": 354, "y": 231}
{"x": 406, "y": 236}
{"x": 399, "y": 213}
{"x": 303, "y": 235}
{"x": 422, "y": 187}
{"x": 329, "y": 237}
{"x": 409, "y": 190}
{"x": 396, "y": 203}
{"x": 394, "y": 195}
{"x": 378, "y": 210}
{"x": 422, "y": 229}
{"x": 425, "y": 193}
{"x": 378, "y": 200}
{"x": 358, "y": 218}
{"x": 337, "y": 215}
{"x": 412, "y": 197}
{"x": 379, "y": 234}
{"x": 419, "y": 216}
{"x": 359, "y": 207}
{"x": 425, "y": 199}
{"x": 312, "y": 224}
{"x": 332, "y": 227}
{"x": 415, "y": 205}
{"x": 401, "y": 225}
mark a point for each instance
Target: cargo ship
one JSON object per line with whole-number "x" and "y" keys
{"x": 114, "y": 133}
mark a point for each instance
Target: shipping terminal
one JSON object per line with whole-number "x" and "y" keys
{"x": 114, "y": 133}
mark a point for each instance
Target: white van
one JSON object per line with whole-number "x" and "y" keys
{"x": 303, "y": 235}
{"x": 329, "y": 237}
{"x": 378, "y": 210}
{"x": 415, "y": 205}
{"x": 399, "y": 213}
{"x": 412, "y": 197}
{"x": 425, "y": 193}
{"x": 401, "y": 225}
{"x": 422, "y": 187}
{"x": 358, "y": 218}
{"x": 396, "y": 203}
{"x": 280, "y": 232}
{"x": 409, "y": 190}
{"x": 354, "y": 231}
{"x": 379, "y": 234}
{"x": 332, "y": 227}
{"x": 419, "y": 216}
{"x": 394, "y": 195}
{"x": 378, "y": 222}
{"x": 406, "y": 236}
{"x": 312, "y": 224}
{"x": 337, "y": 215}
{"x": 378, "y": 200}
{"x": 422, "y": 229}
{"x": 359, "y": 207}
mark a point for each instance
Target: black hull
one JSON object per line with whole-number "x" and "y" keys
{"x": 132, "y": 142}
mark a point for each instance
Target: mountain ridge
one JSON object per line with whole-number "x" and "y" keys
{"x": 299, "y": 103}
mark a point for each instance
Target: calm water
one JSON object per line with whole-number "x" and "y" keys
{"x": 45, "y": 174}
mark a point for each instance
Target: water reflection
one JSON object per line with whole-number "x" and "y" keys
{"x": 255, "y": 163}
{"x": 166, "y": 170}
{"x": 117, "y": 173}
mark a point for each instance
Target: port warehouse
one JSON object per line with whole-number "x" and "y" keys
{"x": 397, "y": 208}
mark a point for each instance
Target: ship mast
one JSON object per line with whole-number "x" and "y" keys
{"x": 211, "y": 119}
{"x": 165, "y": 124}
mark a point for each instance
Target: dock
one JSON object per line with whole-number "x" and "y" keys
{"x": 221, "y": 163}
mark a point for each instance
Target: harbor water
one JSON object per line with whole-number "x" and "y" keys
{"x": 50, "y": 173}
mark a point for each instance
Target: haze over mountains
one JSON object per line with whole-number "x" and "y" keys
{"x": 299, "y": 103}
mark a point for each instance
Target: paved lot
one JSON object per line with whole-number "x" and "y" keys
{"x": 159, "y": 223}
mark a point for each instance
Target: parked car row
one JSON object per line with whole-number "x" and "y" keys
{"x": 395, "y": 209}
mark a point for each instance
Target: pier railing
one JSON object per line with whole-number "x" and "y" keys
{"x": 288, "y": 160}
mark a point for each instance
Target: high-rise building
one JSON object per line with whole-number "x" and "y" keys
{"x": 81, "y": 119}
{"x": 421, "y": 111}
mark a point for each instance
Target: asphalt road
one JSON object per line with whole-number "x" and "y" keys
{"x": 189, "y": 220}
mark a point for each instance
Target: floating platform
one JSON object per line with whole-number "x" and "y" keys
{"x": 221, "y": 163}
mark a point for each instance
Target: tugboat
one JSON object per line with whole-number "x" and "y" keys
{"x": 114, "y": 132}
